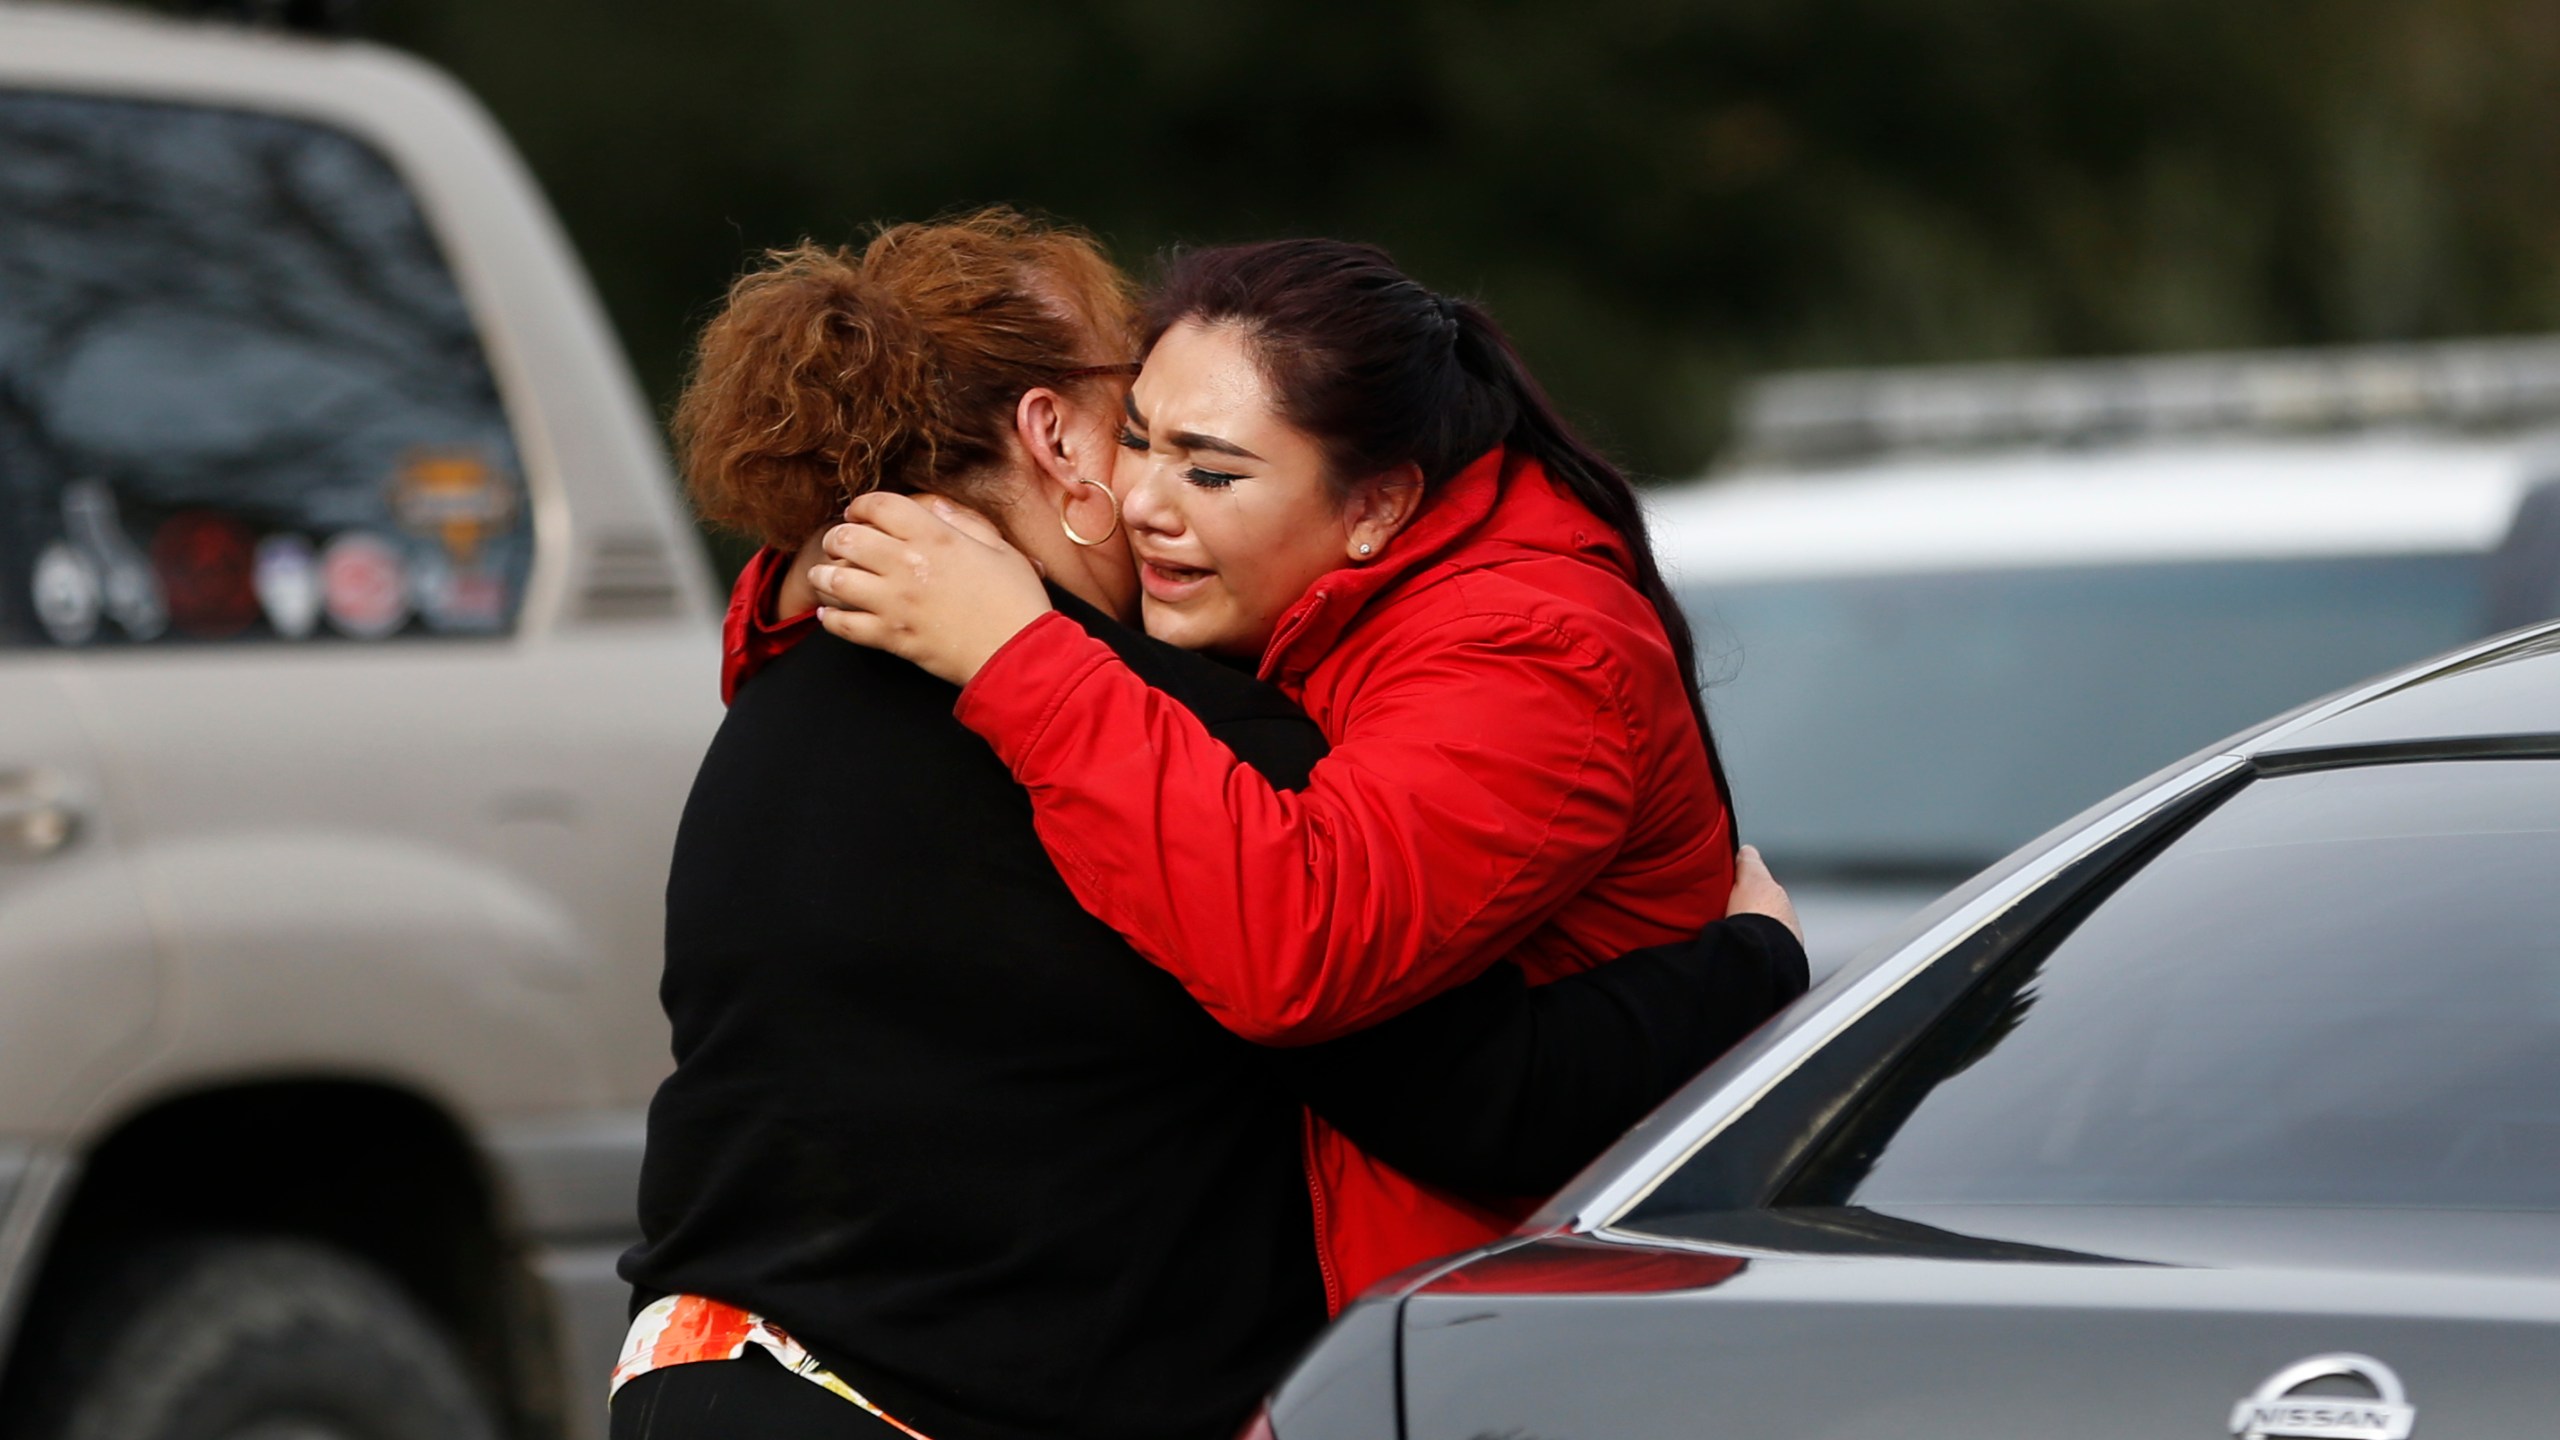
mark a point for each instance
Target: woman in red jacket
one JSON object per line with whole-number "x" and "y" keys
{"x": 1353, "y": 484}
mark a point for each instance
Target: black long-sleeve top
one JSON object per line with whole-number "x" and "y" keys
{"x": 991, "y": 1166}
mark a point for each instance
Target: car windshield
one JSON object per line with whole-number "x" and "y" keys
{"x": 1921, "y": 725}
{"x": 2337, "y": 989}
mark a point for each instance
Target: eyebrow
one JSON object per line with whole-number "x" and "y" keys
{"x": 1188, "y": 439}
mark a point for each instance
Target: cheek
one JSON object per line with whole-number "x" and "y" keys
{"x": 1230, "y": 541}
{"x": 1268, "y": 571}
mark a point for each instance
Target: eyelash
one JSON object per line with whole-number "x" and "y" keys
{"x": 1205, "y": 479}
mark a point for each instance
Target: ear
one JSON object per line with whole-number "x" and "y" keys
{"x": 1040, "y": 423}
{"x": 1379, "y": 507}
{"x": 1042, "y": 426}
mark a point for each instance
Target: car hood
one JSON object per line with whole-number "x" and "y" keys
{"x": 2087, "y": 1323}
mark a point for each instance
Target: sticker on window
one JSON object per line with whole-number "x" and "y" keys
{"x": 459, "y": 500}
{"x": 287, "y": 577}
{"x": 203, "y": 559}
{"x": 364, "y": 585}
{"x": 67, "y": 595}
{"x": 128, "y": 591}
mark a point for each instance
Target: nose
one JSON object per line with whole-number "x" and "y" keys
{"x": 1147, "y": 500}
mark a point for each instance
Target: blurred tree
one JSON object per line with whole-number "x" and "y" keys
{"x": 1658, "y": 197}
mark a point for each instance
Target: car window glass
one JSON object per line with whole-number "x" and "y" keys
{"x": 2337, "y": 989}
{"x": 1923, "y": 725}
{"x": 240, "y": 395}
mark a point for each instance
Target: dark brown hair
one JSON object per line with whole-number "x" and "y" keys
{"x": 1380, "y": 371}
{"x": 829, "y": 372}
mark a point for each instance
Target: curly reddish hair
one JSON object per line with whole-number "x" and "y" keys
{"x": 828, "y": 373}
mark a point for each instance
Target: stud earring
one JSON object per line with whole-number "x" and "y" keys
{"x": 1364, "y": 547}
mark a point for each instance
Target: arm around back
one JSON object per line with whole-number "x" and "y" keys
{"x": 1498, "y": 1088}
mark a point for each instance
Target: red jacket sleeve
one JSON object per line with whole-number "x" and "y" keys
{"x": 748, "y": 641}
{"x": 1481, "y": 776}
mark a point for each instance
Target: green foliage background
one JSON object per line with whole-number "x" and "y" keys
{"x": 1657, "y": 197}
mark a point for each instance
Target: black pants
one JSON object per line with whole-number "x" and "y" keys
{"x": 749, "y": 1398}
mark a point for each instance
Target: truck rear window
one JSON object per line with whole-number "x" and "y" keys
{"x": 241, "y": 398}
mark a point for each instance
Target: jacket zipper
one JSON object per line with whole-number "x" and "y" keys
{"x": 1315, "y": 1198}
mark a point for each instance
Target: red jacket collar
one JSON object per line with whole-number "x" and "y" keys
{"x": 1501, "y": 506}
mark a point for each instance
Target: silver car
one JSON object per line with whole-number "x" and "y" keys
{"x": 2232, "y": 1106}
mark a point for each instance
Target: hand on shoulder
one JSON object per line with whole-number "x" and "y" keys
{"x": 926, "y": 581}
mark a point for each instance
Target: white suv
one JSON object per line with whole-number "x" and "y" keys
{"x": 1949, "y": 608}
{"x": 355, "y": 658}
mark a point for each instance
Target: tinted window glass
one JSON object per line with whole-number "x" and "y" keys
{"x": 240, "y": 397}
{"x": 2337, "y": 989}
{"x": 1931, "y": 723}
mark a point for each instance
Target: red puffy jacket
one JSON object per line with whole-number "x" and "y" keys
{"x": 1515, "y": 772}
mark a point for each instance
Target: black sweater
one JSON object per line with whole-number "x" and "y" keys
{"x": 947, "y": 1129}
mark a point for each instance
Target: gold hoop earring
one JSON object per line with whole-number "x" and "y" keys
{"x": 1070, "y": 526}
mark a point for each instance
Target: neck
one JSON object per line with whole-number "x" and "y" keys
{"x": 1095, "y": 596}
{"x": 1071, "y": 568}
{"x": 1063, "y": 563}
{"x": 797, "y": 596}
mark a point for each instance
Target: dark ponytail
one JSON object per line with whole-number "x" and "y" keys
{"x": 1381, "y": 372}
{"x": 1539, "y": 432}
